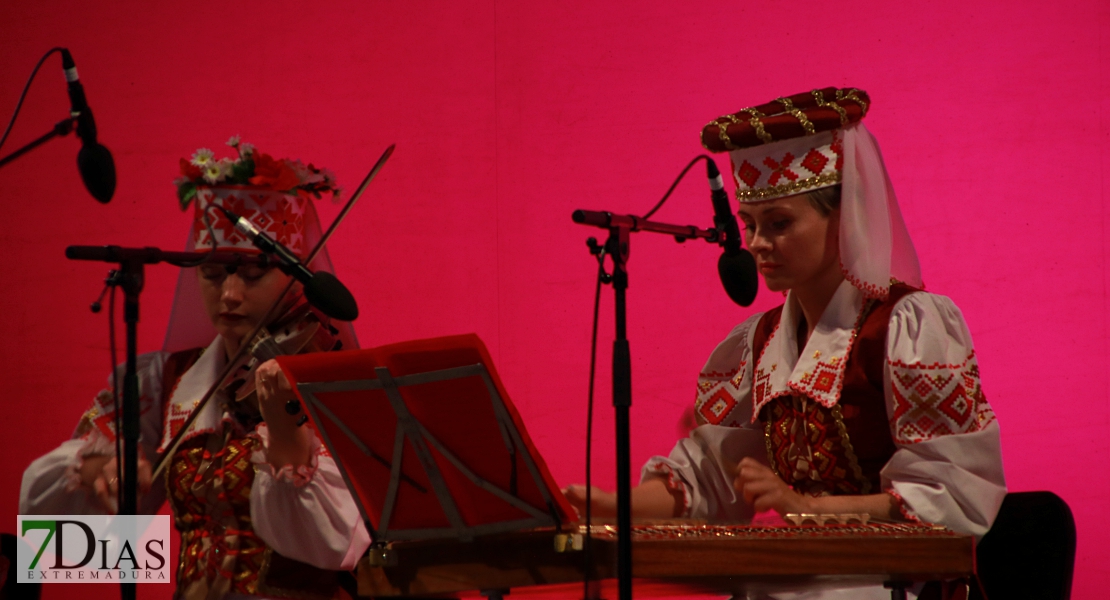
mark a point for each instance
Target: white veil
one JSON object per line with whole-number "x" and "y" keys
{"x": 875, "y": 245}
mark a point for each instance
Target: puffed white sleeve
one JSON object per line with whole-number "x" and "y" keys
{"x": 306, "y": 513}
{"x": 702, "y": 466}
{"x": 52, "y": 485}
{"x": 947, "y": 468}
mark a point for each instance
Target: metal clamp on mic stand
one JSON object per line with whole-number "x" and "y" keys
{"x": 617, "y": 246}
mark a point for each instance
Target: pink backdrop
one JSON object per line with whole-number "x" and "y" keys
{"x": 509, "y": 115}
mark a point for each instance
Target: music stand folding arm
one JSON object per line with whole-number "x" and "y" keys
{"x": 357, "y": 398}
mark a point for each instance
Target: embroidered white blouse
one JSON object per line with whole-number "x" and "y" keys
{"x": 306, "y": 514}
{"x": 947, "y": 466}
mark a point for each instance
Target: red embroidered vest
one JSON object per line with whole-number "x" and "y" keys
{"x": 838, "y": 450}
{"x": 208, "y": 483}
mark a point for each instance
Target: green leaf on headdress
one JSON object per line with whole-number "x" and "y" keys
{"x": 242, "y": 170}
{"x": 185, "y": 194}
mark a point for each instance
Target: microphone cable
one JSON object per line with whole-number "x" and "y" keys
{"x": 23, "y": 95}
{"x": 587, "y": 568}
{"x": 681, "y": 175}
{"x": 604, "y": 277}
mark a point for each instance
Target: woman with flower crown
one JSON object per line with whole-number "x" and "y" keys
{"x": 260, "y": 505}
{"x": 860, "y": 394}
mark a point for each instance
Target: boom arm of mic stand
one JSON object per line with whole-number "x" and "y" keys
{"x": 608, "y": 220}
{"x": 619, "y": 227}
{"x": 61, "y": 128}
{"x": 150, "y": 255}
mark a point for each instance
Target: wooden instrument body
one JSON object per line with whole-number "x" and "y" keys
{"x": 670, "y": 559}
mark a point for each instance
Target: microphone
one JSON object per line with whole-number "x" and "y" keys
{"x": 322, "y": 289}
{"x": 736, "y": 265}
{"x": 94, "y": 161}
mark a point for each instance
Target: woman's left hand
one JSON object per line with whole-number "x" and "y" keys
{"x": 273, "y": 391}
{"x": 289, "y": 443}
{"x": 764, "y": 490}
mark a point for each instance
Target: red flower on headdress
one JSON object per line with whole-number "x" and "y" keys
{"x": 274, "y": 174}
{"x": 190, "y": 170}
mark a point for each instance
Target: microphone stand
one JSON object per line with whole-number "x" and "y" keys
{"x": 129, "y": 277}
{"x": 617, "y": 246}
{"x": 61, "y": 128}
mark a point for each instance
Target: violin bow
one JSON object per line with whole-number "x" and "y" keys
{"x": 272, "y": 313}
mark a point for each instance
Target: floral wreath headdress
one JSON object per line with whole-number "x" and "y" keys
{"x": 274, "y": 194}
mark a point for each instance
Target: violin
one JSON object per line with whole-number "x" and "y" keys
{"x": 301, "y": 330}
{"x": 306, "y": 336}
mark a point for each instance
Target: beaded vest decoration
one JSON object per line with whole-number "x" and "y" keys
{"x": 835, "y": 450}
{"x": 209, "y": 483}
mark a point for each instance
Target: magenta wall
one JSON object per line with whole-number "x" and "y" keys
{"x": 509, "y": 115}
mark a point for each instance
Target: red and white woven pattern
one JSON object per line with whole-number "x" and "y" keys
{"x": 788, "y": 167}
{"x": 718, "y": 394}
{"x": 937, "y": 399}
{"x": 278, "y": 214}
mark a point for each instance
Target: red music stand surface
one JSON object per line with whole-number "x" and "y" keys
{"x": 427, "y": 440}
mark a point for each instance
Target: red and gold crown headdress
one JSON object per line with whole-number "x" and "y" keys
{"x": 789, "y": 145}
{"x": 815, "y": 140}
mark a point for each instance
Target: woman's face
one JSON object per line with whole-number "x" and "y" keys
{"x": 236, "y": 302}
{"x": 793, "y": 243}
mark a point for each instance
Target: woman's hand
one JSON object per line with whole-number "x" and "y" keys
{"x": 98, "y": 475}
{"x": 274, "y": 391}
{"x": 604, "y": 503}
{"x": 766, "y": 491}
{"x": 289, "y": 444}
{"x": 652, "y": 499}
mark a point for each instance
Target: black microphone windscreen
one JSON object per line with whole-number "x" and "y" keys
{"x": 739, "y": 276}
{"x": 327, "y": 293}
{"x": 98, "y": 171}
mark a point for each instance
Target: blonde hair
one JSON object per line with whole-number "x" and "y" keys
{"x": 825, "y": 200}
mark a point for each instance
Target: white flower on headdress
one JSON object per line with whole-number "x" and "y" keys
{"x": 245, "y": 149}
{"x": 213, "y": 172}
{"x": 233, "y": 141}
{"x": 304, "y": 174}
{"x": 203, "y": 157}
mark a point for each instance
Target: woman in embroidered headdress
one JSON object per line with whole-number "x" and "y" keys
{"x": 253, "y": 493}
{"x": 860, "y": 394}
